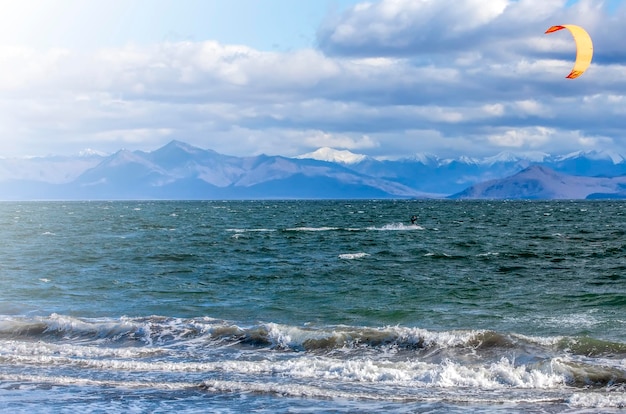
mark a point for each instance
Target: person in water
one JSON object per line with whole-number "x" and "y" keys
{"x": 413, "y": 219}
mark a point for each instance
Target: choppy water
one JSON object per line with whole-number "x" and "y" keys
{"x": 313, "y": 306}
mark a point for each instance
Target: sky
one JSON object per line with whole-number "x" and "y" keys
{"x": 385, "y": 78}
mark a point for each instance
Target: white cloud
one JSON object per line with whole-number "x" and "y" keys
{"x": 531, "y": 107}
{"x": 531, "y": 138}
{"x": 397, "y": 24}
{"x": 594, "y": 142}
{"x": 494, "y": 109}
{"x": 342, "y": 141}
{"x": 404, "y": 76}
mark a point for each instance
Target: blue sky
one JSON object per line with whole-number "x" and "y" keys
{"x": 87, "y": 25}
{"x": 387, "y": 78}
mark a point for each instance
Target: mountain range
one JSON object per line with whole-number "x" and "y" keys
{"x": 181, "y": 171}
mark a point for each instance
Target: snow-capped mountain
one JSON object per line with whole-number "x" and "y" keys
{"x": 88, "y": 152}
{"x": 509, "y": 157}
{"x": 333, "y": 155}
{"x": 425, "y": 158}
{"x": 182, "y": 171}
{"x": 612, "y": 156}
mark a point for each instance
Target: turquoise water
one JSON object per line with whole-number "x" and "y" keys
{"x": 302, "y": 306}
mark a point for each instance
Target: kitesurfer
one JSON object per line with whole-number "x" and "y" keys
{"x": 413, "y": 219}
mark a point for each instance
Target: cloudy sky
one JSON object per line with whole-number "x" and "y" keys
{"x": 387, "y": 78}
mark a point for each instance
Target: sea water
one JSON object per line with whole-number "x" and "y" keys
{"x": 313, "y": 306}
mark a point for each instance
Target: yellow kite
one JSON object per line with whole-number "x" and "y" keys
{"x": 584, "y": 48}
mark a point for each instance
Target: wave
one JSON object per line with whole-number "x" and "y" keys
{"x": 359, "y": 395}
{"x": 76, "y": 381}
{"x": 164, "y": 330}
{"x": 158, "y": 330}
{"x": 324, "y": 377}
{"x": 277, "y": 356}
{"x": 593, "y": 347}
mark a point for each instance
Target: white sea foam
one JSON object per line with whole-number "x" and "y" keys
{"x": 21, "y": 350}
{"x": 488, "y": 254}
{"x": 352, "y": 256}
{"x": 463, "y": 396}
{"x": 293, "y": 390}
{"x": 104, "y": 327}
{"x": 250, "y": 230}
{"x": 544, "y": 341}
{"x": 397, "y": 227}
{"x": 501, "y": 374}
{"x": 575, "y": 320}
{"x": 597, "y": 399}
{"x": 75, "y": 381}
{"x": 313, "y": 229}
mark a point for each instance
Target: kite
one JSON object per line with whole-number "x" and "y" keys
{"x": 584, "y": 48}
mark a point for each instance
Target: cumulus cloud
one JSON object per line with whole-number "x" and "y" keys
{"x": 389, "y": 78}
{"x": 412, "y": 28}
{"x": 531, "y": 137}
{"x": 401, "y": 27}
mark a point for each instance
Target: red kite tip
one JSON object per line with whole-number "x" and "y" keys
{"x": 554, "y": 29}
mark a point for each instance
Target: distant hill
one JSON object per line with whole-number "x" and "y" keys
{"x": 539, "y": 182}
{"x": 182, "y": 171}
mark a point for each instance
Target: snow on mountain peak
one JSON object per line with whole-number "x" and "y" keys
{"x": 88, "y": 152}
{"x": 612, "y": 155}
{"x": 468, "y": 160}
{"x": 510, "y": 157}
{"x": 425, "y": 158}
{"x": 501, "y": 157}
{"x": 608, "y": 155}
{"x": 333, "y": 155}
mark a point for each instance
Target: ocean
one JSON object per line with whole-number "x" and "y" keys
{"x": 313, "y": 306}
